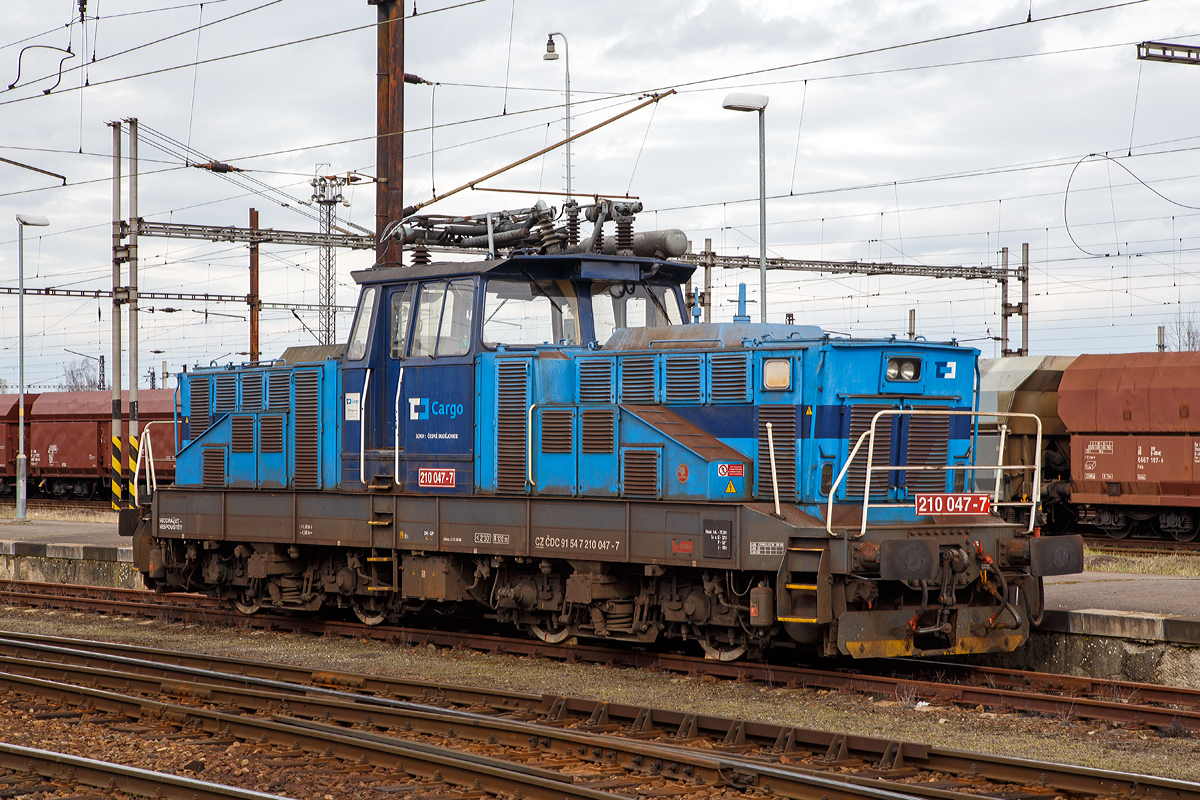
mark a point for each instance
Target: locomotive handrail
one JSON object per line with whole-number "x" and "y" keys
{"x": 529, "y": 446}
{"x": 146, "y": 452}
{"x": 399, "y": 391}
{"x": 362, "y": 431}
{"x": 869, "y": 437}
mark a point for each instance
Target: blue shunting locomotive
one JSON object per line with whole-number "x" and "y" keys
{"x": 547, "y": 440}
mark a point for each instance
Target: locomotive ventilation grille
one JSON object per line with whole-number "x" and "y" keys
{"x": 730, "y": 378}
{"x": 556, "y": 430}
{"x": 598, "y": 429}
{"x": 252, "y": 392}
{"x": 226, "y": 394}
{"x": 639, "y": 473}
{"x": 637, "y": 380}
{"x": 928, "y": 441}
{"x": 783, "y": 431}
{"x": 213, "y": 466}
{"x": 198, "y": 413}
{"x": 277, "y": 391}
{"x": 243, "y": 434}
{"x": 683, "y": 379}
{"x": 595, "y": 380}
{"x": 512, "y": 384}
{"x": 856, "y": 476}
{"x": 272, "y": 434}
{"x": 308, "y": 431}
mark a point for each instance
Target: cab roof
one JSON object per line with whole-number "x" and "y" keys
{"x": 585, "y": 266}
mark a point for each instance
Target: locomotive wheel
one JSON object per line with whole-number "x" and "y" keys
{"x": 550, "y": 635}
{"x": 722, "y": 652}
{"x": 369, "y": 616}
{"x": 247, "y": 605}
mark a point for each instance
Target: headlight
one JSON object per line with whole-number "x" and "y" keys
{"x": 903, "y": 369}
{"x": 777, "y": 374}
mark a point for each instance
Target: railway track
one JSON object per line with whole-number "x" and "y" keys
{"x": 47, "y": 504}
{"x": 946, "y": 683}
{"x": 514, "y": 744}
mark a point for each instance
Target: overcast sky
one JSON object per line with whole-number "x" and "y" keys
{"x": 925, "y": 152}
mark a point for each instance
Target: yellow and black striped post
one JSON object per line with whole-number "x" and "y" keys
{"x": 115, "y": 476}
{"x": 133, "y": 459}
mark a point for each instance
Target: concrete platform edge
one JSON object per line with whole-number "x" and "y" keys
{"x": 1123, "y": 625}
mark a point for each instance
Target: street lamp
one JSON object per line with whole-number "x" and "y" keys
{"x": 22, "y": 221}
{"x": 550, "y": 55}
{"x": 742, "y": 101}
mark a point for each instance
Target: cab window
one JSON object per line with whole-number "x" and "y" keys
{"x": 362, "y": 325}
{"x": 621, "y": 304}
{"x": 443, "y": 318}
{"x": 402, "y": 303}
{"x": 529, "y": 312}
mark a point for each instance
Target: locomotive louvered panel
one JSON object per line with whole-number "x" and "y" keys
{"x": 277, "y": 391}
{"x": 730, "y": 377}
{"x": 683, "y": 379}
{"x": 637, "y": 380}
{"x": 556, "y": 430}
{"x": 783, "y": 432}
{"x": 272, "y": 434}
{"x": 512, "y": 385}
{"x": 252, "y": 392}
{"x": 639, "y": 473}
{"x": 598, "y": 429}
{"x": 856, "y": 477}
{"x": 243, "y": 434}
{"x": 596, "y": 380}
{"x": 225, "y": 396}
{"x": 213, "y": 466}
{"x": 198, "y": 413}
{"x": 928, "y": 443}
{"x": 308, "y": 431}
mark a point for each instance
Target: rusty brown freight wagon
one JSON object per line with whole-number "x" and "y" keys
{"x": 1135, "y": 441}
{"x": 9, "y": 440}
{"x": 70, "y": 449}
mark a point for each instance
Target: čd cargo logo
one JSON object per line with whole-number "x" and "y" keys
{"x": 422, "y": 407}
{"x": 945, "y": 369}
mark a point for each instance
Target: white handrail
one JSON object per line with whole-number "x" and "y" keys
{"x": 146, "y": 452}
{"x": 869, "y": 436}
{"x": 529, "y": 446}
{"x": 362, "y": 431}
{"x": 999, "y": 471}
{"x": 774, "y": 479}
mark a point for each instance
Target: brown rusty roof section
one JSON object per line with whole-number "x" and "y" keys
{"x": 1131, "y": 393}
{"x": 152, "y": 404}
{"x": 686, "y": 434}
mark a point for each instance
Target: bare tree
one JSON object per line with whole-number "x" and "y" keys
{"x": 82, "y": 376}
{"x": 1183, "y": 332}
{"x": 3, "y": 386}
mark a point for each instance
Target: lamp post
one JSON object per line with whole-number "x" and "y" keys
{"x": 22, "y": 221}
{"x": 742, "y": 101}
{"x": 551, "y": 55}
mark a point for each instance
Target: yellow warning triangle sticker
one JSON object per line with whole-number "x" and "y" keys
{"x": 808, "y": 411}
{"x": 729, "y": 489}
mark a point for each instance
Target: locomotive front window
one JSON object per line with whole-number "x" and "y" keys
{"x": 402, "y": 303}
{"x": 362, "y": 325}
{"x": 443, "y": 326}
{"x": 624, "y": 304}
{"x": 530, "y": 312}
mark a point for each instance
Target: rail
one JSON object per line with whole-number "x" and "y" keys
{"x": 868, "y": 436}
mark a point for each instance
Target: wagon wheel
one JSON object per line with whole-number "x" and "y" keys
{"x": 550, "y": 633}
{"x": 370, "y": 612}
{"x": 1185, "y": 536}
{"x": 722, "y": 652}
{"x": 1178, "y": 534}
{"x": 1122, "y": 531}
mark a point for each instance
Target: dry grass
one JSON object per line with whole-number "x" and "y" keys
{"x": 1181, "y": 565}
{"x": 62, "y": 515}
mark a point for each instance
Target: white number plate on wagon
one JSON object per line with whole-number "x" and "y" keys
{"x": 966, "y": 504}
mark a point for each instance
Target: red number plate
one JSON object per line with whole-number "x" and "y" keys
{"x": 435, "y": 478}
{"x": 940, "y": 504}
